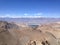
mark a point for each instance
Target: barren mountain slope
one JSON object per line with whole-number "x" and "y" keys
{"x": 6, "y": 38}
{"x": 32, "y": 36}
{"x": 14, "y": 34}
{"x": 53, "y": 28}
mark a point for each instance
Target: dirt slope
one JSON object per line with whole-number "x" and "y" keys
{"x": 6, "y": 38}
{"x": 13, "y": 34}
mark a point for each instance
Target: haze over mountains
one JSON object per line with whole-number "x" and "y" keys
{"x": 31, "y": 20}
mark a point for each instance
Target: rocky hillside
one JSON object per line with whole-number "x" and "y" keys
{"x": 19, "y": 34}
{"x": 6, "y": 38}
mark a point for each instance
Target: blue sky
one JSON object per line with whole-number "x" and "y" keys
{"x": 29, "y": 8}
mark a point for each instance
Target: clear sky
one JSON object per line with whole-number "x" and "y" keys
{"x": 17, "y": 8}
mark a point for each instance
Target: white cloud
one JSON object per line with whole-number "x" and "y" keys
{"x": 32, "y": 16}
{"x": 38, "y": 14}
{"x": 20, "y": 16}
{"x": 7, "y": 15}
{"x": 35, "y": 14}
{"x": 26, "y": 14}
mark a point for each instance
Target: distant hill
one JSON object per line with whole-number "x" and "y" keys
{"x": 31, "y": 20}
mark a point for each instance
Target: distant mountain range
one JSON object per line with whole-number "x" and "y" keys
{"x": 31, "y": 20}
